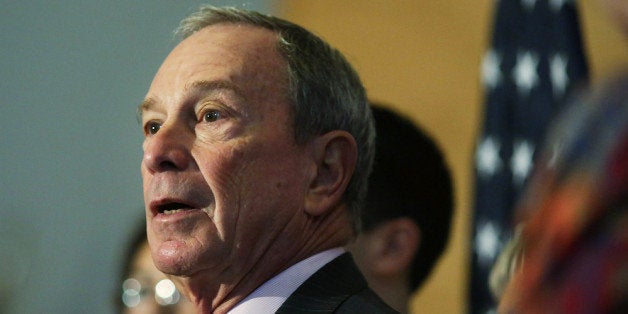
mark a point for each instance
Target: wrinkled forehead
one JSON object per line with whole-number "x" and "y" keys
{"x": 244, "y": 55}
{"x": 246, "y": 39}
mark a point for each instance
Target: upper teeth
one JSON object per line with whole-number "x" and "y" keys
{"x": 172, "y": 211}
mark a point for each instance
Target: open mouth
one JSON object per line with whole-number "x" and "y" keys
{"x": 172, "y": 208}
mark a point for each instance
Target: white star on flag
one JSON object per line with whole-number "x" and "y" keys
{"x": 487, "y": 242}
{"x": 491, "y": 75}
{"x": 528, "y": 4}
{"x": 487, "y": 157}
{"x": 524, "y": 73}
{"x": 521, "y": 161}
{"x": 558, "y": 74}
{"x": 556, "y": 5}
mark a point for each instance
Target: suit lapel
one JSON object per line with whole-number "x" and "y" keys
{"x": 324, "y": 291}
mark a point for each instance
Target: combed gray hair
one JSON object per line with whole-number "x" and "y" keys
{"x": 326, "y": 91}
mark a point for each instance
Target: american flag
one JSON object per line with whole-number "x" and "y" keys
{"x": 534, "y": 61}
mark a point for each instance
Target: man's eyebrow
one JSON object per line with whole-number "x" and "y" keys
{"x": 197, "y": 86}
{"x": 146, "y": 105}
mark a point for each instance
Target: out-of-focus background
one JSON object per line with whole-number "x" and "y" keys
{"x": 73, "y": 72}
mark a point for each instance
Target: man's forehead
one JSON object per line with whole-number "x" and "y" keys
{"x": 238, "y": 58}
{"x": 233, "y": 34}
{"x": 226, "y": 46}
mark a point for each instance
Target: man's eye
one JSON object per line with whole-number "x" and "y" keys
{"x": 211, "y": 116}
{"x": 151, "y": 127}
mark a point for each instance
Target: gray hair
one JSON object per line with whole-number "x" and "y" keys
{"x": 325, "y": 90}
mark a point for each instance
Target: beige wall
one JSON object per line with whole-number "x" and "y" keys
{"x": 423, "y": 57}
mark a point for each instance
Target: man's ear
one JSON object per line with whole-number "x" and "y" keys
{"x": 335, "y": 154}
{"x": 399, "y": 241}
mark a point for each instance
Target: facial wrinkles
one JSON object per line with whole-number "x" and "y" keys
{"x": 184, "y": 187}
{"x": 240, "y": 176}
{"x": 241, "y": 167}
{"x": 226, "y": 175}
{"x": 233, "y": 164}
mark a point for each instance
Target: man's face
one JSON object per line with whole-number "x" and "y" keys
{"x": 222, "y": 173}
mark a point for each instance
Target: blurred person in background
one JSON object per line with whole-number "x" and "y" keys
{"x": 572, "y": 252}
{"x": 143, "y": 288}
{"x": 408, "y": 210}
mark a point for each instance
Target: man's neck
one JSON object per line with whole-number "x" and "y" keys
{"x": 220, "y": 298}
{"x": 217, "y": 291}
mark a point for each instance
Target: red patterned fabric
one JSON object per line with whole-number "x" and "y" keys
{"x": 575, "y": 211}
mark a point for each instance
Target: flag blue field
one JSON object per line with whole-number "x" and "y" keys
{"x": 534, "y": 61}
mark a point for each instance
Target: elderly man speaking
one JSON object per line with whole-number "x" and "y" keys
{"x": 258, "y": 144}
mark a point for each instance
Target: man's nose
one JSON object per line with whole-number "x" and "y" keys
{"x": 168, "y": 149}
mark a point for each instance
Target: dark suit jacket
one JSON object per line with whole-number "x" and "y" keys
{"x": 337, "y": 287}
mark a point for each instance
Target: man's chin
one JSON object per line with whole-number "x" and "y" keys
{"x": 173, "y": 258}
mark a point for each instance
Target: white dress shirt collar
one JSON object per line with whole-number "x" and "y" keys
{"x": 268, "y": 297}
